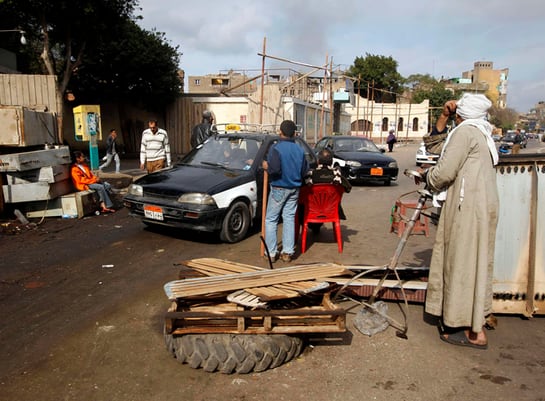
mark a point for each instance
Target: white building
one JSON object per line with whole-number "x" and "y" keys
{"x": 374, "y": 120}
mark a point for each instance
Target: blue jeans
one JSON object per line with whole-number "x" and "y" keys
{"x": 102, "y": 190}
{"x": 109, "y": 158}
{"x": 281, "y": 202}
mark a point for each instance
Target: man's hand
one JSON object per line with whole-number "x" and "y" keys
{"x": 142, "y": 166}
{"x": 423, "y": 172}
{"x": 449, "y": 108}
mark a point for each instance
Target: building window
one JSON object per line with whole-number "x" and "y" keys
{"x": 385, "y": 124}
{"x": 220, "y": 82}
{"x": 400, "y": 124}
{"x": 415, "y": 124}
{"x": 197, "y": 82}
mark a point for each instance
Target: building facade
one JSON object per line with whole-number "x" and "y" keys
{"x": 483, "y": 73}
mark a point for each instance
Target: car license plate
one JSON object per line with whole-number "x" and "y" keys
{"x": 153, "y": 212}
{"x": 376, "y": 171}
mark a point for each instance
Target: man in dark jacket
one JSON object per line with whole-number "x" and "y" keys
{"x": 517, "y": 143}
{"x": 325, "y": 173}
{"x": 201, "y": 132}
{"x": 111, "y": 152}
{"x": 286, "y": 165}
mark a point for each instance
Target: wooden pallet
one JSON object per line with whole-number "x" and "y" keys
{"x": 325, "y": 317}
{"x": 230, "y": 297}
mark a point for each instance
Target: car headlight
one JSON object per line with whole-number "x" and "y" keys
{"x": 392, "y": 164}
{"x": 420, "y": 152}
{"x": 197, "y": 199}
{"x": 353, "y": 163}
{"x": 136, "y": 190}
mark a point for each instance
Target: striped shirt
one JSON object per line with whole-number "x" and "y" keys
{"x": 154, "y": 146}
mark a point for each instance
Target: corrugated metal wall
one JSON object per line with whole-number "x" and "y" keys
{"x": 519, "y": 262}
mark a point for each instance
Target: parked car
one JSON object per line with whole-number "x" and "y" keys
{"x": 359, "y": 159}
{"x": 217, "y": 187}
{"x": 509, "y": 140}
{"x": 425, "y": 157}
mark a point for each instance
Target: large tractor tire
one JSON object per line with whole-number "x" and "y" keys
{"x": 230, "y": 353}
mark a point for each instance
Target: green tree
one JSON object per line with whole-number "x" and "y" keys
{"x": 99, "y": 43}
{"x": 137, "y": 66}
{"x": 378, "y": 77}
{"x": 426, "y": 87}
{"x": 503, "y": 118}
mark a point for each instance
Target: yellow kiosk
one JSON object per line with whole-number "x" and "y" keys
{"x": 87, "y": 128}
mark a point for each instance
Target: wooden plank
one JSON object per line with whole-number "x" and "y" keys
{"x": 213, "y": 266}
{"x": 272, "y": 293}
{"x": 326, "y": 318}
{"x": 293, "y": 273}
{"x": 411, "y": 284}
{"x": 301, "y": 312}
{"x": 220, "y": 266}
{"x": 231, "y": 282}
{"x": 305, "y": 287}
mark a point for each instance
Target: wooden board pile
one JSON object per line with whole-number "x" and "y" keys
{"x": 219, "y": 296}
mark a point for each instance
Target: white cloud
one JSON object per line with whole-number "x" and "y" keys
{"x": 423, "y": 36}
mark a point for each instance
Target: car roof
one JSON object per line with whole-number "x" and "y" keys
{"x": 245, "y": 134}
{"x": 345, "y": 137}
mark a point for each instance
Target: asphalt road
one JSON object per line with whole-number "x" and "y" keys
{"x": 82, "y": 303}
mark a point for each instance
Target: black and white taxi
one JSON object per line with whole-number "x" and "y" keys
{"x": 217, "y": 187}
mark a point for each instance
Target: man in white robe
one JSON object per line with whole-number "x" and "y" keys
{"x": 461, "y": 270}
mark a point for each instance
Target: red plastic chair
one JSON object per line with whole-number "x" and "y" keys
{"x": 321, "y": 205}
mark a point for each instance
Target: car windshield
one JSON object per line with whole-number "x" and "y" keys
{"x": 354, "y": 145}
{"x": 227, "y": 151}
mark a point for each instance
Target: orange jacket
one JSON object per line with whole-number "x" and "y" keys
{"x": 82, "y": 176}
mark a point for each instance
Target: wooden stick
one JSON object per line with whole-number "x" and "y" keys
{"x": 264, "y": 208}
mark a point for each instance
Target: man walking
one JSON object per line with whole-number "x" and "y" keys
{"x": 111, "y": 152}
{"x": 286, "y": 166}
{"x": 154, "y": 149}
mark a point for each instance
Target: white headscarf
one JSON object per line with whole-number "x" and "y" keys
{"x": 473, "y": 109}
{"x": 472, "y": 106}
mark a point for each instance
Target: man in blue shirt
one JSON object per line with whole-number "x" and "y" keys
{"x": 286, "y": 166}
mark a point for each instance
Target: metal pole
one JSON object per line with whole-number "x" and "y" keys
{"x": 409, "y": 123}
{"x": 320, "y": 135}
{"x": 358, "y": 106}
{"x": 325, "y": 67}
{"x": 372, "y": 106}
{"x": 366, "y": 115}
{"x": 262, "y": 81}
{"x": 331, "y": 104}
{"x": 265, "y": 174}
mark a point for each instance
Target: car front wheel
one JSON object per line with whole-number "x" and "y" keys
{"x": 236, "y": 223}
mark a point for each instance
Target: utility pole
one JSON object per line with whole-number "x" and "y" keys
{"x": 262, "y": 81}
{"x": 358, "y": 105}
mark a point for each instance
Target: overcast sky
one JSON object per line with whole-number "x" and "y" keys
{"x": 436, "y": 37}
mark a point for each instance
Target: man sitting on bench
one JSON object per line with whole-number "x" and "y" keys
{"x": 84, "y": 179}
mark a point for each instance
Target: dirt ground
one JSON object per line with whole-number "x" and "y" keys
{"x": 82, "y": 307}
